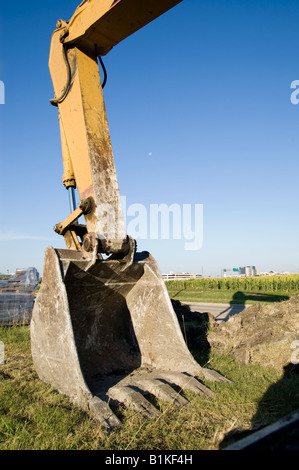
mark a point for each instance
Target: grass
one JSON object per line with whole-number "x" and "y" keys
{"x": 226, "y": 296}
{"x": 33, "y": 416}
{"x": 235, "y": 290}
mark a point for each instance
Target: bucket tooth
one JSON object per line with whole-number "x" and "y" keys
{"x": 102, "y": 332}
{"x": 101, "y": 412}
{"x": 214, "y": 376}
{"x": 162, "y": 391}
{"x": 186, "y": 382}
{"x": 133, "y": 400}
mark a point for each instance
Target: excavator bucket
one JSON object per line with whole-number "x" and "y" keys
{"x": 107, "y": 334}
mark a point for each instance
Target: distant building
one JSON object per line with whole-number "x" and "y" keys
{"x": 248, "y": 271}
{"x": 243, "y": 271}
{"x": 271, "y": 273}
{"x": 180, "y": 276}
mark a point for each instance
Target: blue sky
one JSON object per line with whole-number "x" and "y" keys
{"x": 199, "y": 109}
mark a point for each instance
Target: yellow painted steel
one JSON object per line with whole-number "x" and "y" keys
{"x": 107, "y": 22}
{"x": 96, "y": 26}
{"x": 86, "y": 140}
{"x": 68, "y": 177}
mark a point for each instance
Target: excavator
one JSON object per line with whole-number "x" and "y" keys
{"x": 103, "y": 329}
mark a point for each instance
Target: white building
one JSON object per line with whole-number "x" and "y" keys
{"x": 180, "y": 276}
{"x": 248, "y": 271}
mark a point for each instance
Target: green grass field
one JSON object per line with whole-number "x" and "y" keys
{"x": 34, "y": 416}
{"x": 227, "y": 297}
{"x": 235, "y": 290}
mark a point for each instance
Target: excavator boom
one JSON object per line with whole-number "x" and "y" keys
{"x": 95, "y": 27}
{"x": 107, "y": 22}
{"x": 103, "y": 330}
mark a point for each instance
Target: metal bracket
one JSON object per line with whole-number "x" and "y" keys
{"x": 92, "y": 244}
{"x": 70, "y": 229}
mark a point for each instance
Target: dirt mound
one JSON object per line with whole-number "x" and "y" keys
{"x": 261, "y": 333}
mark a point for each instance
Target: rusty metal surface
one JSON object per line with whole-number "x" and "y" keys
{"x": 110, "y": 333}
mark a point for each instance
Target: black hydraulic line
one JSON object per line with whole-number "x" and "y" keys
{"x": 56, "y": 101}
{"x": 104, "y": 70}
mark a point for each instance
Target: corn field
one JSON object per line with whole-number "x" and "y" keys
{"x": 285, "y": 283}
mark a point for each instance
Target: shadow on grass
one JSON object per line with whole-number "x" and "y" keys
{"x": 178, "y": 293}
{"x": 280, "y": 401}
{"x": 238, "y": 297}
{"x": 238, "y": 302}
{"x": 241, "y": 297}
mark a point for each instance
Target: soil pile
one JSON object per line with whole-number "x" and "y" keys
{"x": 268, "y": 334}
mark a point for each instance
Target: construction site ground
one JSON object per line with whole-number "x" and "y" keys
{"x": 256, "y": 349}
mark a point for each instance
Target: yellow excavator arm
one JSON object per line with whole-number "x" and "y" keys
{"x": 103, "y": 331}
{"x": 95, "y": 27}
{"x": 107, "y": 22}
